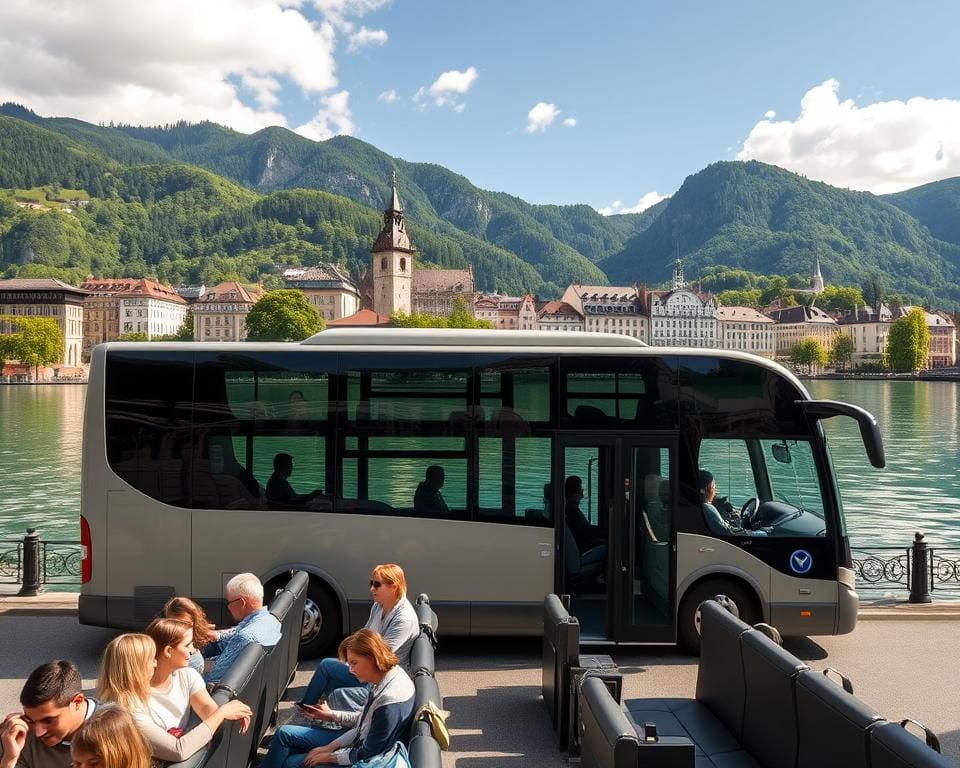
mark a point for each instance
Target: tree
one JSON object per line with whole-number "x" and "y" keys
{"x": 35, "y": 341}
{"x": 185, "y": 331}
{"x": 840, "y": 297}
{"x": 460, "y": 316}
{"x": 134, "y": 336}
{"x": 841, "y": 352}
{"x": 908, "y": 342}
{"x": 808, "y": 352}
{"x": 283, "y": 315}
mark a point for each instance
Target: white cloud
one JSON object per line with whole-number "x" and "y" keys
{"x": 648, "y": 200}
{"x": 540, "y": 116}
{"x": 334, "y": 118}
{"x": 229, "y": 61}
{"x": 364, "y": 36}
{"x": 388, "y": 96}
{"x": 886, "y": 146}
{"x": 769, "y": 114}
{"x": 446, "y": 88}
{"x": 570, "y": 122}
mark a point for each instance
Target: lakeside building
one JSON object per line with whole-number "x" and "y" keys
{"x": 942, "y": 352}
{"x": 747, "y": 330}
{"x": 559, "y": 316}
{"x": 869, "y": 330}
{"x": 102, "y": 310}
{"x": 47, "y": 297}
{"x": 507, "y": 313}
{"x": 152, "y": 308}
{"x": 611, "y": 309}
{"x": 221, "y": 313}
{"x": 682, "y": 317}
{"x": 328, "y": 290}
{"x": 794, "y": 324}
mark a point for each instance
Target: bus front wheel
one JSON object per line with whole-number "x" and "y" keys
{"x": 321, "y": 621}
{"x": 738, "y": 599}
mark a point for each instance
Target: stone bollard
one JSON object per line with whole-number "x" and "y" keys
{"x": 919, "y": 571}
{"x": 31, "y": 585}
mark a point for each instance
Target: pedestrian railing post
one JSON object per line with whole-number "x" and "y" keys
{"x": 919, "y": 571}
{"x": 31, "y": 585}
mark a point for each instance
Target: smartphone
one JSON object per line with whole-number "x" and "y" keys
{"x": 305, "y": 707}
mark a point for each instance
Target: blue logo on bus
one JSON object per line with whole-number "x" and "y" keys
{"x": 801, "y": 561}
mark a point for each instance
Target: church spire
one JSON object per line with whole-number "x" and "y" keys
{"x": 393, "y": 235}
{"x": 678, "y": 281}
{"x": 816, "y": 284}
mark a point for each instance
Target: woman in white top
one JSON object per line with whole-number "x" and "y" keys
{"x": 155, "y": 684}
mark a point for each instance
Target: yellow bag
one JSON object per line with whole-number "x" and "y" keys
{"x": 437, "y": 718}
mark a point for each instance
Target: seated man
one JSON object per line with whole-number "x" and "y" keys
{"x": 587, "y": 536}
{"x": 715, "y": 521}
{"x": 280, "y": 493}
{"x": 255, "y": 623}
{"x": 428, "y": 497}
{"x": 54, "y": 707}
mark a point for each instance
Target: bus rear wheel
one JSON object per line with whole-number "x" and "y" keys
{"x": 736, "y": 598}
{"x": 321, "y": 621}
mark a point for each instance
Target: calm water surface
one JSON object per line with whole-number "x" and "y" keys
{"x": 41, "y": 430}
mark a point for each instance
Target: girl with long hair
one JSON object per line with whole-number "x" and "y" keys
{"x": 109, "y": 739}
{"x": 148, "y": 675}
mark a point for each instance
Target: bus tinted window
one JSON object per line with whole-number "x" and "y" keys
{"x": 618, "y": 392}
{"x": 148, "y": 411}
{"x": 250, "y": 409}
{"x": 514, "y": 482}
{"x": 515, "y": 393}
{"x": 405, "y": 475}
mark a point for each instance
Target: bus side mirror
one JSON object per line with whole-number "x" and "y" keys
{"x": 869, "y": 429}
{"x": 781, "y": 452}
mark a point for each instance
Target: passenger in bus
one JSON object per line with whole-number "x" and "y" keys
{"x": 428, "y": 497}
{"x": 109, "y": 739}
{"x": 391, "y": 616}
{"x": 298, "y": 408}
{"x": 54, "y": 708}
{"x": 586, "y": 535}
{"x": 372, "y": 731}
{"x": 255, "y": 624}
{"x": 716, "y": 522}
{"x": 205, "y": 635}
{"x": 280, "y": 493}
{"x": 160, "y": 690}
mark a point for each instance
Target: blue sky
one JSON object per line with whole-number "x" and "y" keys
{"x": 858, "y": 94}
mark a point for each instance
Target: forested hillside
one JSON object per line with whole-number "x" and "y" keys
{"x": 770, "y": 221}
{"x": 192, "y": 203}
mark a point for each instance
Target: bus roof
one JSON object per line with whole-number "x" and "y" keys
{"x": 462, "y": 337}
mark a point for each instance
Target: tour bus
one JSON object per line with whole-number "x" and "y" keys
{"x": 494, "y": 466}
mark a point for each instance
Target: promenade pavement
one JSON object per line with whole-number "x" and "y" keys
{"x": 492, "y": 685}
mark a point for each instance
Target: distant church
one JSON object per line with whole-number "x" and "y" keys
{"x": 394, "y": 285}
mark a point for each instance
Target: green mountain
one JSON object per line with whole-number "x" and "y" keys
{"x": 202, "y": 202}
{"x": 935, "y": 205}
{"x": 770, "y": 221}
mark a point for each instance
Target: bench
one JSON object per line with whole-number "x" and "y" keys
{"x": 258, "y": 677}
{"x": 424, "y": 749}
{"x": 756, "y": 706}
{"x": 561, "y": 652}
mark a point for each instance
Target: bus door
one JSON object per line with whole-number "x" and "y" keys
{"x": 615, "y": 536}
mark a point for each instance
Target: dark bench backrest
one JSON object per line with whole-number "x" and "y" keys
{"x": 893, "y": 747}
{"x": 770, "y": 712}
{"x": 561, "y": 650}
{"x": 422, "y": 657}
{"x": 244, "y": 681}
{"x": 828, "y": 715}
{"x": 297, "y": 586}
{"x": 720, "y": 680}
{"x": 275, "y": 672}
{"x": 607, "y": 737}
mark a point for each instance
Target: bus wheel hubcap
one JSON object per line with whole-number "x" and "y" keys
{"x": 312, "y": 621}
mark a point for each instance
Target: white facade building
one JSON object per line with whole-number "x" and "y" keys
{"x": 151, "y": 308}
{"x": 747, "y": 330}
{"x": 610, "y": 309}
{"x": 681, "y": 317}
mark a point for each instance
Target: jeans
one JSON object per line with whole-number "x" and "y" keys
{"x": 290, "y": 745}
{"x": 329, "y": 675}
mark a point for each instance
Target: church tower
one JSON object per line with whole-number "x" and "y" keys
{"x": 816, "y": 284}
{"x": 678, "y": 281}
{"x": 392, "y": 261}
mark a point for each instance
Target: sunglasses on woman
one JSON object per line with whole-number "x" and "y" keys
{"x": 376, "y": 584}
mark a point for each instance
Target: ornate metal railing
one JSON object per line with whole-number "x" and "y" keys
{"x": 34, "y": 563}
{"x": 922, "y": 570}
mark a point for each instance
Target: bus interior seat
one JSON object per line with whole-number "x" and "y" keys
{"x": 591, "y": 416}
{"x": 578, "y": 572}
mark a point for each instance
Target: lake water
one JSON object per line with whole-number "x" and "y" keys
{"x": 41, "y": 431}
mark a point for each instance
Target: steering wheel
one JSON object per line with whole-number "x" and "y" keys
{"x": 748, "y": 511}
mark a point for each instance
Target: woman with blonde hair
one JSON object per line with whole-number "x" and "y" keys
{"x": 205, "y": 635}
{"x": 140, "y": 672}
{"x": 393, "y": 618}
{"x": 109, "y": 739}
{"x": 383, "y": 721}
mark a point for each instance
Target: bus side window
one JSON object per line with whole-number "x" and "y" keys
{"x": 514, "y": 482}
